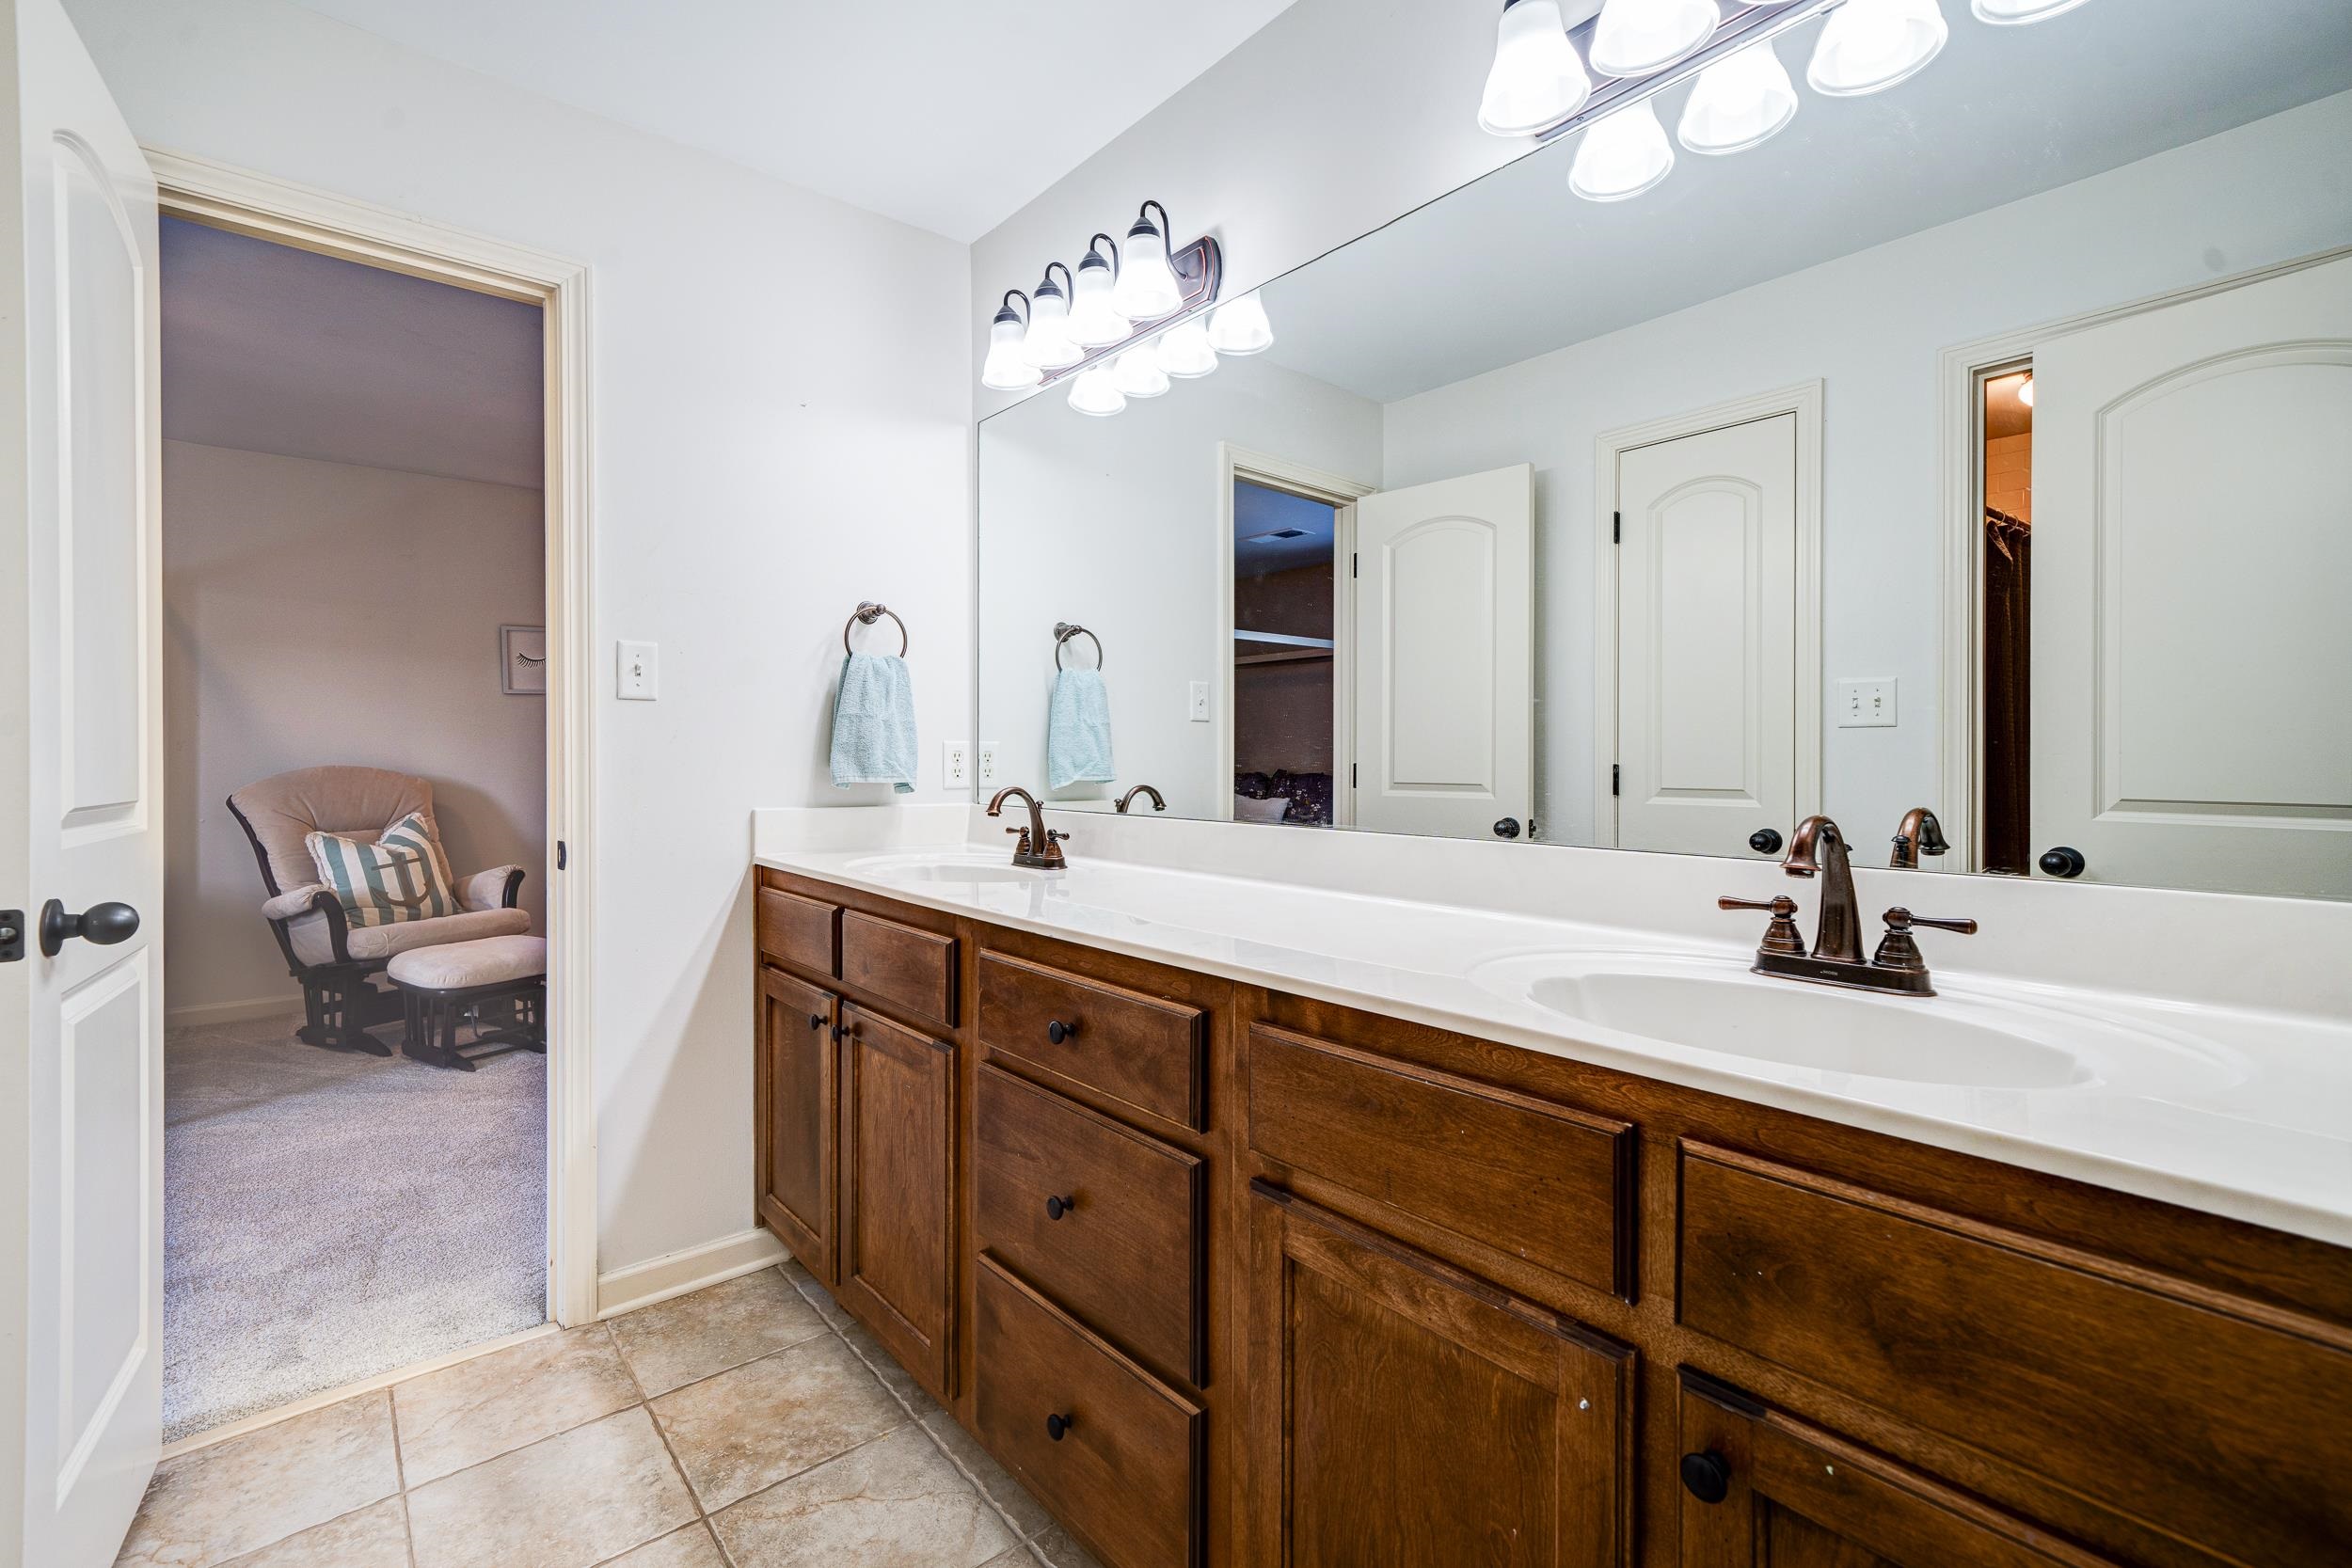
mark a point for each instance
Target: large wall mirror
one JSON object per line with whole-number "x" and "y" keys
{"x": 1981, "y": 446}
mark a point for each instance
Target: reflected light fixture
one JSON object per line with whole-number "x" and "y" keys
{"x": 1137, "y": 374}
{"x": 2025, "y": 390}
{"x": 1096, "y": 393}
{"x": 2008, "y": 13}
{"x": 1241, "y": 328}
{"x": 1634, "y": 37}
{"x": 1537, "y": 80}
{"x": 1093, "y": 322}
{"x": 1622, "y": 156}
{"x": 1047, "y": 343}
{"x": 1185, "y": 351}
{"x": 1004, "y": 369}
{"x": 1870, "y": 45}
{"x": 1741, "y": 101}
{"x": 1147, "y": 287}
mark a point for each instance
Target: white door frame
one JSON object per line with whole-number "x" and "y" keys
{"x": 1803, "y": 399}
{"x": 271, "y": 209}
{"x": 1340, "y": 494}
{"x": 1959, "y": 373}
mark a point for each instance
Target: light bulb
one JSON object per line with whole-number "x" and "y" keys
{"x": 1634, "y": 37}
{"x": 1147, "y": 287}
{"x": 1739, "y": 103}
{"x": 1537, "y": 81}
{"x": 1047, "y": 344}
{"x": 1186, "y": 351}
{"x": 1137, "y": 374}
{"x": 1093, "y": 322}
{"x": 1004, "y": 369}
{"x": 1241, "y": 328}
{"x": 1097, "y": 395}
{"x": 1622, "y": 156}
{"x": 2024, "y": 392}
{"x": 1870, "y": 45}
{"x": 2008, "y": 13}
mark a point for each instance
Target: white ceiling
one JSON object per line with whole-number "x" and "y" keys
{"x": 267, "y": 348}
{"x": 951, "y": 115}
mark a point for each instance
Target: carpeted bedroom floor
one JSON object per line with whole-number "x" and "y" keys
{"x": 328, "y": 1215}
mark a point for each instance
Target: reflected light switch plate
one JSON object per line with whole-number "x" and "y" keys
{"x": 640, "y": 672}
{"x": 1866, "y": 705}
{"x": 1200, "y": 702}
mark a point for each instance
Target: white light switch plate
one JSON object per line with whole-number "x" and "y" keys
{"x": 641, "y": 672}
{"x": 1866, "y": 705}
{"x": 955, "y": 763}
{"x": 1200, "y": 702}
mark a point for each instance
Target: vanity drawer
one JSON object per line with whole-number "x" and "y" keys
{"x": 1126, "y": 1254}
{"x": 2198, "y": 1413}
{"x": 914, "y": 968}
{"x": 1531, "y": 1178}
{"x": 796, "y": 930}
{"x": 1125, "y": 1473}
{"x": 1139, "y": 1050}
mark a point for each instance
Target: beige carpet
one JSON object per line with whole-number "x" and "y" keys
{"x": 329, "y": 1216}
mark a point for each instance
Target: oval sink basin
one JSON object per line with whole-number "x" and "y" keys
{"x": 947, "y": 867}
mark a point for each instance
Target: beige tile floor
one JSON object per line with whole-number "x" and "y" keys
{"x": 749, "y": 1425}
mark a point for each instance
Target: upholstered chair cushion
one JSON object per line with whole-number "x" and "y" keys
{"x": 314, "y": 943}
{"x": 485, "y": 890}
{"x": 461, "y": 966}
{"x": 397, "y": 876}
{"x": 355, "y": 803}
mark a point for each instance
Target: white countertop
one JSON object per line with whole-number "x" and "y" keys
{"x": 2215, "y": 1102}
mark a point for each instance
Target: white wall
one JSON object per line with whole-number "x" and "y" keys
{"x": 782, "y": 414}
{"x": 1113, "y": 524}
{"x": 323, "y": 613}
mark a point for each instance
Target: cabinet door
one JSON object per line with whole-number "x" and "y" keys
{"x": 1405, "y": 1414}
{"x": 898, "y": 1272}
{"x": 795, "y": 1092}
{"x": 1762, "y": 1490}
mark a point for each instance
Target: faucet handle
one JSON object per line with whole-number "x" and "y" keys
{"x": 1780, "y": 936}
{"x": 1901, "y": 919}
{"x": 1898, "y": 951}
{"x": 1024, "y": 845}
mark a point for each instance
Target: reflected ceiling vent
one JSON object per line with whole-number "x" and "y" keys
{"x": 1277, "y": 534}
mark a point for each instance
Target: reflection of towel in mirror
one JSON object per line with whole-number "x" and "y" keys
{"x": 1078, "y": 729}
{"x": 873, "y": 724}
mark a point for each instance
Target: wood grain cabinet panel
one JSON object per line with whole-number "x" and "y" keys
{"x": 1115, "y": 1454}
{"x": 898, "y": 1264}
{"x": 1406, "y": 1415}
{"x": 1527, "y": 1177}
{"x": 1140, "y": 1051}
{"x": 795, "y": 1085}
{"x": 1104, "y": 1220}
{"x": 794, "y": 930}
{"x": 904, "y": 965}
{"x": 1762, "y": 1490}
{"x": 2166, "y": 1402}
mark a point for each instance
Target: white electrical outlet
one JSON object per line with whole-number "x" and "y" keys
{"x": 955, "y": 763}
{"x": 988, "y": 762}
{"x": 1200, "y": 702}
{"x": 1866, "y": 705}
{"x": 640, "y": 672}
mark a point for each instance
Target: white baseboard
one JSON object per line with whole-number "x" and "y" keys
{"x": 675, "y": 1273}
{"x": 281, "y": 1005}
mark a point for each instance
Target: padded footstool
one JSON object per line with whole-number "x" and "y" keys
{"x": 439, "y": 983}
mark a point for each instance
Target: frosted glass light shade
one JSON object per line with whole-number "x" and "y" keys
{"x": 2006, "y": 13}
{"x": 1004, "y": 369}
{"x": 1622, "y": 156}
{"x": 1739, "y": 103}
{"x": 1147, "y": 287}
{"x": 1870, "y": 45}
{"x": 1537, "y": 80}
{"x": 1137, "y": 374}
{"x": 1097, "y": 395}
{"x": 2024, "y": 392}
{"x": 1240, "y": 328}
{"x": 1634, "y": 37}
{"x": 1186, "y": 351}
{"x": 1047, "y": 344}
{"x": 1093, "y": 321}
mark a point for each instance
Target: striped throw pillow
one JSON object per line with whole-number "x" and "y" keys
{"x": 399, "y": 876}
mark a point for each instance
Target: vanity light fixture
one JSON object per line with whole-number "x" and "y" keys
{"x": 2009, "y": 13}
{"x": 1742, "y": 101}
{"x": 1094, "y": 392}
{"x": 1004, "y": 369}
{"x": 1147, "y": 287}
{"x": 1622, "y": 156}
{"x": 1137, "y": 374}
{"x": 1093, "y": 321}
{"x": 1870, "y": 45}
{"x": 1241, "y": 328}
{"x": 1047, "y": 343}
{"x": 1537, "y": 80}
{"x": 1635, "y": 38}
{"x": 1185, "y": 353}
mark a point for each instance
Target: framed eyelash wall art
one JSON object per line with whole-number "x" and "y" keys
{"x": 523, "y": 660}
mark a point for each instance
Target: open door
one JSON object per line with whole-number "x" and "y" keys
{"x": 2192, "y": 489}
{"x": 1446, "y": 657}
{"x": 81, "y": 819}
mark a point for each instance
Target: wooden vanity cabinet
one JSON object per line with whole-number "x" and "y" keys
{"x": 897, "y": 1197}
{"x": 798, "y": 1106}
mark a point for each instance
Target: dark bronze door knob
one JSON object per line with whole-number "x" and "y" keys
{"x": 102, "y": 924}
{"x": 1705, "y": 1477}
{"x": 2062, "y": 861}
{"x": 1764, "y": 841}
{"x": 1507, "y": 827}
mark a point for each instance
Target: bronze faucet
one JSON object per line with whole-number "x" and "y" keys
{"x": 1819, "y": 850}
{"x": 1128, "y": 799}
{"x": 1819, "y": 847}
{"x": 1920, "y": 834}
{"x": 1039, "y": 848}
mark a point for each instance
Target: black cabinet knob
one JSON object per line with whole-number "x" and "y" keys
{"x": 1705, "y": 1477}
{"x": 1056, "y": 1206}
{"x": 1057, "y": 1031}
{"x": 1507, "y": 827}
{"x": 817, "y": 1021}
{"x": 1764, "y": 841}
{"x": 1057, "y": 1427}
{"x": 2062, "y": 861}
{"x": 103, "y": 925}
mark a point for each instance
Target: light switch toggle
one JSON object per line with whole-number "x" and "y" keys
{"x": 641, "y": 672}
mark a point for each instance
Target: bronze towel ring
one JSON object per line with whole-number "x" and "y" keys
{"x": 869, "y": 613}
{"x": 1064, "y": 631}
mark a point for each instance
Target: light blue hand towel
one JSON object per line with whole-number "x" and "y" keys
{"x": 1078, "y": 729}
{"x": 873, "y": 724}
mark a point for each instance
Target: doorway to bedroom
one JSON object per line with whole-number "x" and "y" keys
{"x": 355, "y": 669}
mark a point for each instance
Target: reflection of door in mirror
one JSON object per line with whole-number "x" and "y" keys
{"x": 2191, "y": 640}
{"x": 2005, "y": 565}
{"x": 1285, "y": 588}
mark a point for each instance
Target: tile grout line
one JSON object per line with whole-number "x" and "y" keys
{"x": 693, "y": 1493}
{"x": 400, "y": 1474}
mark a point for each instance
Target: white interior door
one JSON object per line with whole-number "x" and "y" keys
{"x": 82, "y": 1261}
{"x": 1445, "y": 656}
{"x": 2192, "y": 557}
{"x": 1707, "y": 638}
